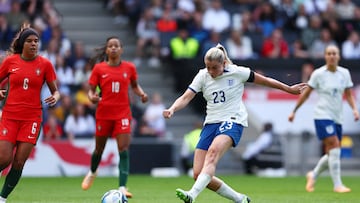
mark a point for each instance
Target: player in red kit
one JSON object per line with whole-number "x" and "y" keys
{"x": 113, "y": 115}
{"x": 20, "y": 125}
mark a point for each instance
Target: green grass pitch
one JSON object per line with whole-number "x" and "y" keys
{"x": 147, "y": 189}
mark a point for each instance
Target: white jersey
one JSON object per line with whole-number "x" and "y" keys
{"x": 223, "y": 94}
{"x": 330, "y": 87}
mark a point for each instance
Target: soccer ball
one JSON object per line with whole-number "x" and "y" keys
{"x": 113, "y": 196}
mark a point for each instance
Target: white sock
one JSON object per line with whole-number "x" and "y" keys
{"x": 321, "y": 165}
{"x": 334, "y": 166}
{"x": 229, "y": 193}
{"x": 200, "y": 184}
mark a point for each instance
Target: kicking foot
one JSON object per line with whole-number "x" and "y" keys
{"x": 184, "y": 196}
{"x": 310, "y": 182}
{"x": 245, "y": 199}
{"x": 2, "y": 200}
{"x": 126, "y": 192}
{"x": 88, "y": 180}
{"x": 342, "y": 189}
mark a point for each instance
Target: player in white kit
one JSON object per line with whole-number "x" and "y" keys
{"x": 222, "y": 85}
{"x": 331, "y": 82}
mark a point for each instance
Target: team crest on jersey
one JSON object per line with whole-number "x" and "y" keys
{"x": 125, "y": 75}
{"x": 37, "y": 71}
{"x": 99, "y": 127}
{"x": 231, "y": 82}
{"x": 330, "y": 129}
{"x": 4, "y": 132}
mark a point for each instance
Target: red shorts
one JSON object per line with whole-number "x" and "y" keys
{"x": 19, "y": 130}
{"x": 113, "y": 127}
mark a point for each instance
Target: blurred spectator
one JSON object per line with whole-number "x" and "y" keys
{"x": 216, "y": 18}
{"x": 286, "y": 13}
{"x": 78, "y": 57}
{"x": 16, "y": 17}
{"x": 5, "y": 6}
{"x": 148, "y": 40}
{"x": 167, "y": 22}
{"x": 64, "y": 73}
{"x": 153, "y": 115}
{"x": 6, "y": 33}
{"x": 52, "y": 129}
{"x": 63, "y": 108}
{"x": 215, "y": 38}
{"x": 311, "y": 33}
{"x": 157, "y": 9}
{"x": 345, "y": 9}
{"x": 64, "y": 42}
{"x": 183, "y": 46}
{"x": 337, "y": 30}
{"x": 306, "y": 70}
{"x": 275, "y": 46}
{"x": 315, "y": 7}
{"x": 81, "y": 97}
{"x": 238, "y": 46}
{"x": 351, "y": 47}
{"x": 186, "y": 5}
{"x": 254, "y": 149}
{"x": 298, "y": 50}
{"x": 119, "y": 10}
{"x": 79, "y": 124}
{"x": 197, "y": 30}
{"x": 301, "y": 18}
{"x": 137, "y": 113}
{"x": 51, "y": 51}
{"x": 82, "y": 75}
{"x": 247, "y": 25}
{"x": 188, "y": 146}
{"x": 317, "y": 49}
{"x": 266, "y": 19}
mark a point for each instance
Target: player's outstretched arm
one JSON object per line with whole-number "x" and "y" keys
{"x": 270, "y": 82}
{"x": 179, "y": 103}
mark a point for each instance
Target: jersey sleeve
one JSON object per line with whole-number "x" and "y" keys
{"x": 197, "y": 83}
{"x": 313, "y": 80}
{"x": 245, "y": 73}
{"x": 50, "y": 74}
{"x": 94, "y": 79}
{"x": 4, "y": 69}
{"x": 349, "y": 82}
{"x": 134, "y": 75}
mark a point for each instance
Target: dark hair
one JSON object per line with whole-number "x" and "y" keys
{"x": 100, "y": 52}
{"x": 268, "y": 126}
{"x": 17, "y": 44}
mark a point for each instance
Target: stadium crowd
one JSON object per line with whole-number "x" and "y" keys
{"x": 173, "y": 30}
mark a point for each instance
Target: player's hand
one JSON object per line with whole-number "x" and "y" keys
{"x": 298, "y": 88}
{"x": 144, "y": 98}
{"x": 51, "y": 101}
{"x": 356, "y": 115}
{"x": 168, "y": 113}
{"x": 2, "y": 94}
{"x": 291, "y": 117}
{"x": 94, "y": 98}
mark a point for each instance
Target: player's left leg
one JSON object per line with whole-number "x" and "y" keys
{"x": 123, "y": 142}
{"x": 100, "y": 142}
{"x": 124, "y": 166}
{"x": 22, "y": 153}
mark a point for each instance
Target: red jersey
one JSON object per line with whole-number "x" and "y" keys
{"x": 114, "y": 83}
{"x": 25, "y": 81}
